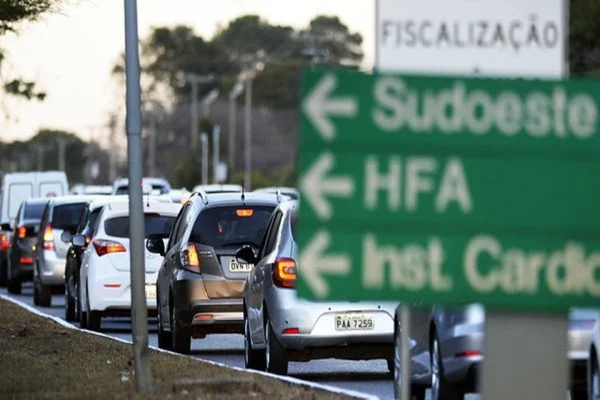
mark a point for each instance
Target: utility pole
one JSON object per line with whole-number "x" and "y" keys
{"x": 216, "y": 136}
{"x": 152, "y": 145}
{"x": 248, "y": 133}
{"x": 112, "y": 154}
{"x": 204, "y": 156}
{"x": 39, "y": 149}
{"x": 237, "y": 89}
{"x": 139, "y": 308}
{"x": 195, "y": 80}
{"x": 207, "y": 101}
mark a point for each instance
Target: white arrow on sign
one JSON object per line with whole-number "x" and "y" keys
{"x": 319, "y": 106}
{"x": 315, "y": 184}
{"x": 314, "y": 263}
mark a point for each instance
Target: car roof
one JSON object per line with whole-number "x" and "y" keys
{"x": 218, "y": 188}
{"x": 72, "y": 198}
{"x": 122, "y": 207}
{"x": 235, "y": 198}
{"x": 146, "y": 179}
{"x": 39, "y": 200}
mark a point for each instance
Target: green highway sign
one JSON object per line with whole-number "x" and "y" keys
{"x": 449, "y": 190}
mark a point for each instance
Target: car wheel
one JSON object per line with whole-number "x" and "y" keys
{"x": 44, "y": 295}
{"x": 593, "y": 377}
{"x": 254, "y": 359}
{"x": 182, "y": 335}
{"x": 69, "y": 305}
{"x": 275, "y": 355}
{"x": 14, "y": 285}
{"x": 3, "y": 274}
{"x": 165, "y": 340}
{"x": 441, "y": 389}
{"x": 93, "y": 317}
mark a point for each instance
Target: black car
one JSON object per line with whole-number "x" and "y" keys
{"x": 22, "y": 243}
{"x": 86, "y": 226}
{"x": 200, "y": 283}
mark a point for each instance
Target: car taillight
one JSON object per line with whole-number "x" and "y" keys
{"x": 48, "y": 238}
{"x": 189, "y": 258}
{"x": 284, "y": 273}
{"x": 103, "y": 247}
{"x": 26, "y": 260}
{"x": 21, "y": 232}
{"x": 4, "y": 241}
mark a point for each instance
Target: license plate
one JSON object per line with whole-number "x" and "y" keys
{"x": 151, "y": 291}
{"x": 358, "y": 322}
{"x": 235, "y": 266}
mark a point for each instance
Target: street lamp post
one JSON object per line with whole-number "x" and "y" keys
{"x": 195, "y": 80}
{"x": 204, "y": 157}
{"x": 216, "y": 135}
{"x": 208, "y": 100}
{"x": 237, "y": 89}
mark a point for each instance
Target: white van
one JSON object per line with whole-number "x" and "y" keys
{"x": 20, "y": 186}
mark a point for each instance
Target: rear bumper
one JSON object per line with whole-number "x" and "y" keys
{"x": 113, "y": 292}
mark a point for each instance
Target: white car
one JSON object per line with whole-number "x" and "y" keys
{"x": 105, "y": 269}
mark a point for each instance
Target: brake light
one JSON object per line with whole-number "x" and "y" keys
{"x": 244, "y": 212}
{"x": 189, "y": 258}
{"x": 4, "y": 241}
{"x": 21, "y": 232}
{"x": 26, "y": 260}
{"x": 468, "y": 353}
{"x": 284, "y": 273}
{"x": 48, "y": 238}
{"x": 103, "y": 247}
{"x": 291, "y": 331}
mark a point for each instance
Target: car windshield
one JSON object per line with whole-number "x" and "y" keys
{"x": 153, "y": 224}
{"x": 66, "y": 216}
{"x": 34, "y": 211}
{"x": 231, "y": 226}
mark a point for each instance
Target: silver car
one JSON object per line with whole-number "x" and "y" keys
{"x": 50, "y": 254}
{"x": 446, "y": 350}
{"x": 279, "y": 327}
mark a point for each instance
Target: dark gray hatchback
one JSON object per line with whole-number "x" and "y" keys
{"x": 201, "y": 283}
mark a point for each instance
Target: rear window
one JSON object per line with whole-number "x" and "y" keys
{"x": 153, "y": 224}
{"x": 231, "y": 226}
{"x": 67, "y": 216}
{"x": 34, "y": 211}
{"x": 122, "y": 190}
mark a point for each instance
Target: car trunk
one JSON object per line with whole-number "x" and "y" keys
{"x": 121, "y": 260}
{"x": 223, "y": 275}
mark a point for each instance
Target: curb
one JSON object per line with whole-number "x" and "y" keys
{"x": 286, "y": 379}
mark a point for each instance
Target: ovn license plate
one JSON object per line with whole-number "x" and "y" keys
{"x": 150, "y": 291}
{"x": 235, "y": 266}
{"x": 359, "y": 322}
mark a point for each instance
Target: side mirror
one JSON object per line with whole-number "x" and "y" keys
{"x": 77, "y": 240}
{"x": 5, "y": 227}
{"x": 155, "y": 244}
{"x": 246, "y": 254}
{"x": 66, "y": 237}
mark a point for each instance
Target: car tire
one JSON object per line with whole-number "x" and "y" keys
{"x": 276, "y": 360}
{"x": 593, "y": 377}
{"x": 165, "y": 339}
{"x": 181, "y": 335}
{"x": 14, "y": 285}
{"x": 93, "y": 317}
{"x": 441, "y": 389}
{"x": 579, "y": 394}
{"x": 44, "y": 294}
{"x": 417, "y": 392}
{"x": 69, "y": 306}
{"x": 253, "y": 359}
{"x": 3, "y": 274}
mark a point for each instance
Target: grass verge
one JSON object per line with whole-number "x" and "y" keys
{"x": 41, "y": 359}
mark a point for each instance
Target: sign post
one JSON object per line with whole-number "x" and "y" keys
{"x": 451, "y": 191}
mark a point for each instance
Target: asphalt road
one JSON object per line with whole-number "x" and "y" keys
{"x": 364, "y": 376}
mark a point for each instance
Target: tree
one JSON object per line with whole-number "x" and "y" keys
{"x": 584, "y": 37}
{"x": 13, "y": 12}
{"x": 328, "y": 40}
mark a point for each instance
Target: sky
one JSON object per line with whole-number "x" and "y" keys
{"x": 70, "y": 53}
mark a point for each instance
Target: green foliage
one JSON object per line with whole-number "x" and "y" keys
{"x": 584, "y": 37}
{"x": 283, "y": 176}
{"x": 15, "y": 11}
{"x": 188, "y": 170}
{"x": 25, "y": 89}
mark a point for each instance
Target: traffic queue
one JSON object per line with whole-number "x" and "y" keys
{"x": 220, "y": 259}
